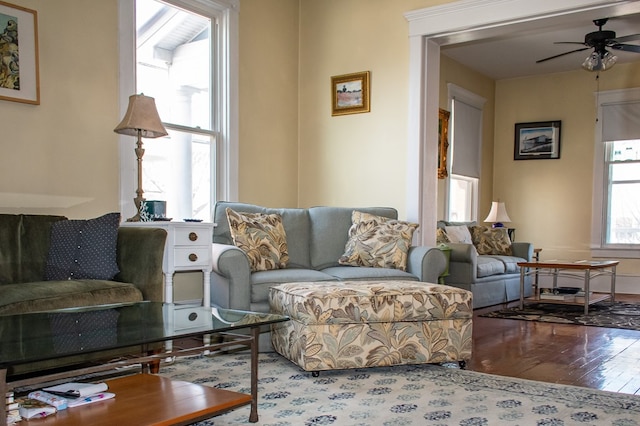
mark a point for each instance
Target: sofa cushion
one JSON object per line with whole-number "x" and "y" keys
{"x": 489, "y": 265}
{"x": 350, "y": 273}
{"x": 262, "y": 237}
{"x": 24, "y": 245}
{"x": 295, "y": 222}
{"x": 262, "y": 281}
{"x": 458, "y": 234}
{"x": 491, "y": 240}
{"x": 330, "y": 231}
{"x": 48, "y": 295}
{"x": 510, "y": 263}
{"x": 84, "y": 249}
{"x": 377, "y": 242}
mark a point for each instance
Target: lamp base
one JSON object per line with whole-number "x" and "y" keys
{"x": 138, "y": 202}
{"x": 498, "y": 225}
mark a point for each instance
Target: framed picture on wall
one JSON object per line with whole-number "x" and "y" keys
{"x": 350, "y": 93}
{"x": 19, "y": 79}
{"x": 443, "y": 142}
{"x": 537, "y": 141}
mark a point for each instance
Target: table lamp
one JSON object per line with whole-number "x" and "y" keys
{"x": 497, "y": 215}
{"x": 141, "y": 120}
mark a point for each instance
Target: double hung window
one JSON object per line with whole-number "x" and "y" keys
{"x": 616, "y": 218}
{"x": 182, "y": 56}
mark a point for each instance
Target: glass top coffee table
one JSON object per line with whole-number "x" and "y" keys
{"x": 138, "y": 329}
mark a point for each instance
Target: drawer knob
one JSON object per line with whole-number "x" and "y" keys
{"x": 193, "y": 316}
{"x": 193, "y": 236}
{"x": 193, "y": 257}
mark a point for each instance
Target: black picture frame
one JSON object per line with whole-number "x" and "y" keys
{"x": 538, "y": 140}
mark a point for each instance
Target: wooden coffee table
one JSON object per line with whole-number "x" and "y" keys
{"x": 141, "y": 399}
{"x": 556, "y": 268}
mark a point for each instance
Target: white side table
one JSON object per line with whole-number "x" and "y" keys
{"x": 188, "y": 248}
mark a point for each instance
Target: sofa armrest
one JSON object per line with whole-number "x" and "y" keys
{"x": 139, "y": 254}
{"x": 463, "y": 264}
{"x": 231, "y": 277}
{"x": 523, "y": 250}
{"x": 427, "y": 263}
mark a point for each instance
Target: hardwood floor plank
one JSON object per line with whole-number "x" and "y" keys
{"x": 594, "y": 357}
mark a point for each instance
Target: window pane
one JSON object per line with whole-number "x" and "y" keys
{"x": 461, "y": 198}
{"x": 177, "y": 169}
{"x": 174, "y": 62}
{"x": 624, "y": 150}
{"x": 624, "y": 215}
{"x": 621, "y": 172}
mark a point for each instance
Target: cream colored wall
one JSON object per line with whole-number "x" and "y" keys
{"x": 358, "y": 159}
{"x": 269, "y": 102}
{"x": 61, "y": 157}
{"x": 549, "y": 201}
{"x": 455, "y": 73}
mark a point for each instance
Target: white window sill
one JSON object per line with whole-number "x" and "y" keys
{"x": 617, "y": 253}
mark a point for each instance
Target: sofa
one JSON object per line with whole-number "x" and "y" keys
{"x": 47, "y": 262}
{"x": 493, "y": 277}
{"x": 316, "y": 239}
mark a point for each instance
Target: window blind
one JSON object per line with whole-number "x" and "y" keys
{"x": 466, "y": 139}
{"x": 621, "y": 121}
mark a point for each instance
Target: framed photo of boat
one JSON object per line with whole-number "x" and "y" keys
{"x": 537, "y": 141}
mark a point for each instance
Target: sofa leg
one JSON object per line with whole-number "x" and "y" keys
{"x": 462, "y": 364}
{"x": 315, "y": 373}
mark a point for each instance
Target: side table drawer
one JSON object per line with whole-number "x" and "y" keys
{"x": 185, "y": 236}
{"x": 190, "y": 257}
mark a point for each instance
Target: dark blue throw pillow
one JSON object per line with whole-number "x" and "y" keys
{"x": 84, "y": 249}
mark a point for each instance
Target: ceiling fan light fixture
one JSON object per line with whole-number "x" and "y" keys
{"x": 599, "y": 61}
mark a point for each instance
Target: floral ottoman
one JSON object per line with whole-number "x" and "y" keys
{"x": 352, "y": 324}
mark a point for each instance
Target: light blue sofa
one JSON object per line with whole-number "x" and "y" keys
{"x": 316, "y": 238}
{"x": 493, "y": 279}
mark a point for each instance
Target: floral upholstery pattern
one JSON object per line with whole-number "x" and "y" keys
{"x": 491, "y": 240}
{"x": 261, "y": 237}
{"x": 377, "y": 242}
{"x": 353, "y": 324}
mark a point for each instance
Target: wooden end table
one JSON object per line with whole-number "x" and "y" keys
{"x": 590, "y": 269}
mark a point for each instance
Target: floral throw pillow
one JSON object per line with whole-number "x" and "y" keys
{"x": 377, "y": 242}
{"x": 441, "y": 236}
{"x": 491, "y": 240}
{"x": 262, "y": 237}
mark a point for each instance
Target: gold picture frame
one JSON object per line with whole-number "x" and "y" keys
{"x": 443, "y": 142}
{"x": 19, "y": 75}
{"x": 350, "y": 93}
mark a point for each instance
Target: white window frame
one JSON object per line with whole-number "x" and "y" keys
{"x": 224, "y": 88}
{"x": 470, "y": 98}
{"x": 599, "y": 207}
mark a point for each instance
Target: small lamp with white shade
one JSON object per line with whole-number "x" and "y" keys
{"x": 497, "y": 215}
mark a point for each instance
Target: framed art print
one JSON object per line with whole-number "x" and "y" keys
{"x": 350, "y": 93}
{"x": 537, "y": 141}
{"x": 19, "y": 78}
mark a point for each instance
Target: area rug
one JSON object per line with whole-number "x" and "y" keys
{"x": 602, "y": 314}
{"x": 401, "y": 395}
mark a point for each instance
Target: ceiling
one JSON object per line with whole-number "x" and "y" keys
{"x": 515, "y": 54}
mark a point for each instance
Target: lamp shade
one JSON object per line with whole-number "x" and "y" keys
{"x": 498, "y": 213}
{"x": 142, "y": 116}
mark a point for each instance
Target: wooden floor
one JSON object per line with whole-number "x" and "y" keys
{"x": 594, "y": 357}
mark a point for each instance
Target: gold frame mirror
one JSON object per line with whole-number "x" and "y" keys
{"x": 443, "y": 142}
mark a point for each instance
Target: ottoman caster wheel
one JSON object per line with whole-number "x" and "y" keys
{"x": 315, "y": 373}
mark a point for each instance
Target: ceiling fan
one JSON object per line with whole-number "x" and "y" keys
{"x": 600, "y": 59}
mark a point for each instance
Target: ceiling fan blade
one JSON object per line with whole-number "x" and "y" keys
{"x": 626, "y": 47}
{"x": 629, "y": 37}
{"x": 569, "y": 42}
{"x": 562, "y": 54}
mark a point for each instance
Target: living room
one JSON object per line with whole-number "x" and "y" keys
{"x": 62, "y": 156}
{"x": 64, "y": 160}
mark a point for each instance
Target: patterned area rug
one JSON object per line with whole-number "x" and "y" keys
{"x": 402, "y": 395}
{"x": 602, "y": 314}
